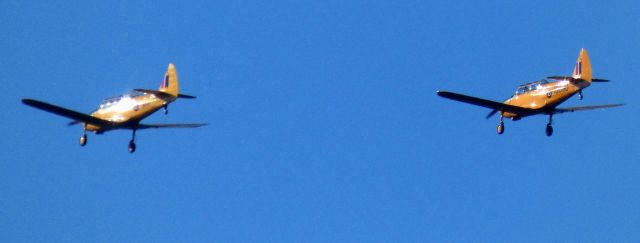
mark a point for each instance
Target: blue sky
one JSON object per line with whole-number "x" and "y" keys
{"x": 324, "y": 123}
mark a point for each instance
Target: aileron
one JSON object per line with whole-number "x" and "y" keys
{"x": 496, "y": 106}
{"x": 74, "y": 115}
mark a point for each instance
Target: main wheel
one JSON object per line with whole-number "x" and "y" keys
{"x": 83, "y": 140}
{"x": 500, "y": 128}
{"x": 549, "y": 130}
{"x": 132, "y": 146}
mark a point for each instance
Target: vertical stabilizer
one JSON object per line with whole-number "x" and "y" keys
{"x": 583, "y": 67}
{"x": 170, "y": 81}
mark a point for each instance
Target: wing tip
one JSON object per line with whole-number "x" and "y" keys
{"x": 442, "y": 93}
{"x": 32, "y": 102}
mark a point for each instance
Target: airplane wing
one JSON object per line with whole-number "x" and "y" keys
{"x": 184, "y": 125}
{"x": 583, "y": 108}
{"x": 74, "y": 115}
{"x": 496, "y": 106}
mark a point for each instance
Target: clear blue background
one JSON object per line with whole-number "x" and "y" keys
{"x": 324, "y": 122}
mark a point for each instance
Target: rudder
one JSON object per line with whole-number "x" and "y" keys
{"x": 170, "y": 81}
{"x": 583, "y": 67}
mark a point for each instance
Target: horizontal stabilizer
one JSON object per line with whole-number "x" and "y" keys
{"x": 74, "y": 115}
{"x": 599, "y": 80}
{"x": 584, "y": 108}
{"x": 560, "y": 77}
{"x": 184, "y": 96}
{"x": 184, "y": 125}
{"x": 164, "y": 95}
{"x": 160, "y": 94}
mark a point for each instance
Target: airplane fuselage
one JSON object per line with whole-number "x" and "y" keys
{"x": 542, "y": 96}
{"x": 127, "y": 111}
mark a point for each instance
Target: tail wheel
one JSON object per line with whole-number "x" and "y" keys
{"x": 549, "y": 130}
{"x": 500, "y": 128}
{"x": 83, "y": 140}
{"x": 132, "y": 146}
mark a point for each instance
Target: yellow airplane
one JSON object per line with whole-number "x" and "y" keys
{"x": 540, "y": 97}
{"x": 125, "y": 111}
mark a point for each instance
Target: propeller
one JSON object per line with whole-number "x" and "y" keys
{"x": 493, "y": 112}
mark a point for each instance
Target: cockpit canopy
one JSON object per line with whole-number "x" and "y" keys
{"x": 528, "y": 87}
{"x": 108, "y": 102}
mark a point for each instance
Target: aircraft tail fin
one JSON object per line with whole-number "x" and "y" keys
{"x": 170, "y": 81}
{"x": 583, "y": 67}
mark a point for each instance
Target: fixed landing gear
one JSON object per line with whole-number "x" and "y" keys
{"x": 500, "y": 128}
{"x": 549, "y": 129}
{"x": 83, "y": 139}
{"x": 580, "y": 96}
{"x": 132, "y": 144}
{"x": 166, "y": 109}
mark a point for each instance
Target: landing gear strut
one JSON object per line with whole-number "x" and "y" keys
{"x": 549, "y": 129}
{"x": 500, "y": 128}
{"x": 166, "y": 109}
{"x": 132, "y": 144}
{"x": 580, "y": 95}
